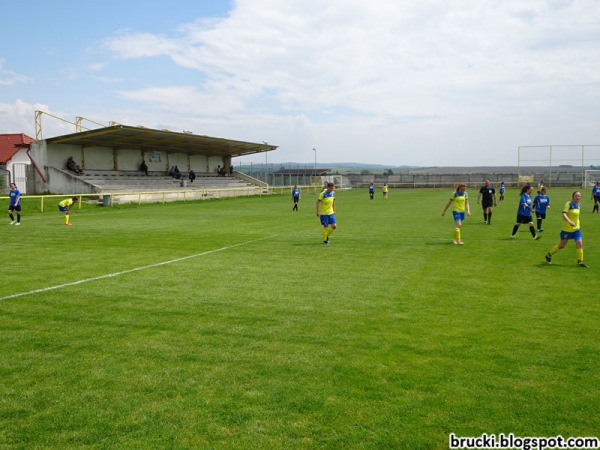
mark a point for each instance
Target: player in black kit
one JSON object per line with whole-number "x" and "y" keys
{"x": 489, "y": 199}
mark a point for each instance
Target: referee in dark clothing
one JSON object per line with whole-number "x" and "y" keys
{"x": 487, "y": 195}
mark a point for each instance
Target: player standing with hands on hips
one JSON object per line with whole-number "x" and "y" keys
{"x": 326, "y": 212}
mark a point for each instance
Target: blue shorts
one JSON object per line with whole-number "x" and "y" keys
{"x": 63, "y": 209}
{"x": 327, "y": 220}
{"x": 575, "y": 235}
{"x": 458, "y": 216}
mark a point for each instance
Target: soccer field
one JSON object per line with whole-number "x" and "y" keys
{"x": 227, "y": 324}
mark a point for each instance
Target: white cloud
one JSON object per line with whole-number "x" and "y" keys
{"x": 425, "y": 81}
{"x": 95, "y": 67}
{"x": 9, "y": 77}
{"x": 188, "y": 99}
{"x": 382, "y": 57}
{"x": 22, "y": 119}
{"x": 140, "y": 45}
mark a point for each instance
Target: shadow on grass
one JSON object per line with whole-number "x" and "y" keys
{"x": 447, "y": 242}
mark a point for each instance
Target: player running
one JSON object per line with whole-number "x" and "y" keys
{"x": 571, "y": 229}
{"x": 524, "y": 212}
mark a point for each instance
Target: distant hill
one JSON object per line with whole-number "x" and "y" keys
{"x": 347, "y": 168}
{"x": 348, "y": 165}
{"x": 363, "y": 166}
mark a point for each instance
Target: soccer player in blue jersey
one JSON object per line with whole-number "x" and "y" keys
{"x": 596, "y": 197}
{"x": 326, "y": 212}
{"x": 460, "y": 204}
{"x": 15, "y": 204}
{"x": 571, "y": 229}
{"x": 295, "y": 197}
{"x": 371, "y": 190}
{"x": 541, "y": 202}
{"x": 524, "y": 212}
{"x": 502, "y": 189}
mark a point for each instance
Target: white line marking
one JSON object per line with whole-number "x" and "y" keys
{"x": 137, "y": 269}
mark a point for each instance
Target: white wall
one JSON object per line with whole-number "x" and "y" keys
{"x": 199, "y": 163}
{"x": 128, "y": 159}
{"x": 215, "y": 161}
{"x": 57, "y": 155}
{"x": 20, "y": 158}
{"x": 156, "y": 161}
{"x": 98, "y": 158}
{"x": 19, "y": 176}
{"x": 180, "y": 160}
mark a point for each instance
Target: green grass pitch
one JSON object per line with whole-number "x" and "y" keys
{"x": 227, "y": 324}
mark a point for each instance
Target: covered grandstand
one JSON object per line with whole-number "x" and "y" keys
{"x": 110, "y": 158}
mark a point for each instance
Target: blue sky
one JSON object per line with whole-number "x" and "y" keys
{"x": 416, "y": 82}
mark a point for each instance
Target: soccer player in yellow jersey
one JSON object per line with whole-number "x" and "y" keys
{"x": 326, "y": 212}
{"x": 460, "y": 204}
{"x": 65, "y": 206}
{"x": 385, "y": 189}
{"x": 571, "y": 229}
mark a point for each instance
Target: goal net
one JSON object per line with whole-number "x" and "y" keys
{"x": 548, "y": 160}
{"x": 591, "y": 176}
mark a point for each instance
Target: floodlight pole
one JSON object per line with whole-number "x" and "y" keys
{"x": 266, "y": 164}
{"x": 315, "y": 169}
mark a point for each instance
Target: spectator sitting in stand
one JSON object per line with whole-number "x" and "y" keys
{"x": 192, "y": 176}
{"x": 73, "y": 167}
{"x": 176, "y": 173}
{"x": 144, "y": 167}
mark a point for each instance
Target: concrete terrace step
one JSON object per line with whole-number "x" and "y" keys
{"x": 135, "y": 181}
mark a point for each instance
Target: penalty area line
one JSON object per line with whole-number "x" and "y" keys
{"x": 136, "y": 269}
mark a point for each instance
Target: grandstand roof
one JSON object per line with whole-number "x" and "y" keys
{"x": 11, "y": 144}
{"x": 123, "y": 136}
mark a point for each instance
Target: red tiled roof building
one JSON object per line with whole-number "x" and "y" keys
{"x": 10, "y": 144}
